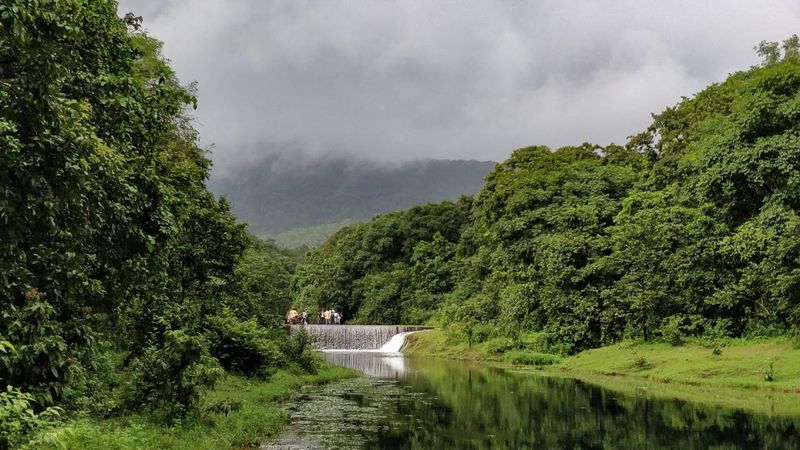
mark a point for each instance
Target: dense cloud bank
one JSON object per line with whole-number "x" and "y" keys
{"x": 403, "y": 80}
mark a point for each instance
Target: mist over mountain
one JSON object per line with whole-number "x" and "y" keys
{"x": 274, "y": 196}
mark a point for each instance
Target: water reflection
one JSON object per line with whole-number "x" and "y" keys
{"x": 374, "y": 364}
{"x": 434, "y": 404}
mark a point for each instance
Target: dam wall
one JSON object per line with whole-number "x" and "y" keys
{"x": 352, "y": 337}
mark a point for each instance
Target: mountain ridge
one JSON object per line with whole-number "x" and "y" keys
{"x": 273, "y": 196}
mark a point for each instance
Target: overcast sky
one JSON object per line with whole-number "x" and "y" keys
{"x": 398, "y": 80}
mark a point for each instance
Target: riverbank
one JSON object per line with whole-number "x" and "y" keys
{"x": 259, "y": 417}
{"x": 761, "y": 375}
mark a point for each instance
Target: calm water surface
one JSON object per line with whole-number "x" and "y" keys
{"x": 411, "y": 403}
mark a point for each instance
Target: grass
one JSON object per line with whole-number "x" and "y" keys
{"x": 771, "y": 403}
{"x": 531, "y": 358}
{"x": 436, "y": 344}
{"x": 772, "y": 364}
{"x": 260, "y": 417}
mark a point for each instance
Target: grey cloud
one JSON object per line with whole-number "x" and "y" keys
{"x": 396, "y": 80}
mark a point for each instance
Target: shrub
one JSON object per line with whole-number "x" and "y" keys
{"x": 470, "y": 331}
{"x": 244, "y": 347}
{"x": 672, "y": 330}
{"x": 641, "y": 363}
{"x": 170, "y": 379}
{"x": 298, "y": 350}
{"x": 532, "y": 358}
{"x": 769, "y": 370}
{"x": 499, "y": 345}
{"x": 18, "y": 419}
{"x": 225, "y": 407}
{"x": 536, "y": 341}
{"x": 38, "y": 362}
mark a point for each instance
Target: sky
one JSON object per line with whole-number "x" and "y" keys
{"x": 396, "y": 80}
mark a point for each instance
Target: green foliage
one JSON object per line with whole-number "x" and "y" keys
{"x": 499, "y": 345}
{"x": 530, "y": 358}
{"x": 768, "y": 370}
{"x": 226, "y": 406}
{"x": 40, "y": 358}
{"x": 243, "y": 347}
{"x": 394, "y": 269}
{"x": 263, "y": 273}
{"x": 116, "y": 263}
{"x": 298, "y": 351}
{"x": 673, "y": 330}
{"x": 170, "y": 380}
{"x": 308, "y": 237}
{"x": 641, "y": 363}
{"x": 18, "y": 417}
{"x": 108, "y": 232}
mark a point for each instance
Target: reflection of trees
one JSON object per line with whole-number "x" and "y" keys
{"x": 487, "y": 408}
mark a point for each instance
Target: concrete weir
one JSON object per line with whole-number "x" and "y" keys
{"x": 353, "y": 337}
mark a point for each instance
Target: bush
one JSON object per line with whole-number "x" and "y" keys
{"x": 536, "y": 341}
{"x": 769, "y": 370}
{"x": 18, "y": 419}
{"x": 672, "y": 330}
{"x": 170, "y": 379}
{"x": 641, "y": 363}
{"x": 298, "y": 350}
{"x": 532, "y": 358}
{"x": 499, "y": 345}
{"x": 39, "y": 360}
{"x": 244, "y": 347}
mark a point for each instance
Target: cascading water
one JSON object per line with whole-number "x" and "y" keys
{"x": 395, "y": 344}
{"x": 357, "y": 337}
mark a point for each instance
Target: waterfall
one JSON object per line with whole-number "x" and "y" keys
{"x": 396, "y": 342}
{"x": 356, "y": 337}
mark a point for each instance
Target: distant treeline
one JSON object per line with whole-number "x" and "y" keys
{"x": 691, "y": 228}
{"x": 299, "y": 238}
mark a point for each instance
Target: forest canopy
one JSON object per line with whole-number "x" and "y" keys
{"x": 690, "y": 229}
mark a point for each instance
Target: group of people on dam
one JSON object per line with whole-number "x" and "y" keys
{"x": 327, "y": 317}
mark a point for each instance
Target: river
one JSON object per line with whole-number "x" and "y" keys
{"x": 418, "y": 403}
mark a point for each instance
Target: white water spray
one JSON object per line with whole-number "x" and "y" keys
{"x": 395, "y": 344}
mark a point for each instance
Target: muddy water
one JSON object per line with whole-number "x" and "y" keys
{"x": 405, "y": 403}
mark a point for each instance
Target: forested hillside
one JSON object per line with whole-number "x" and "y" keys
{"x": 273, "y": 197}
{"x": 692, "y": 228}
{"x": 299, "y": 238}
{"x": 127, "y": 286}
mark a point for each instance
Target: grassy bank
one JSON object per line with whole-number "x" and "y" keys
{"x": 753, "y": 374}
{"x": 765, "y": 364}
{"x": 768, "y": 364}
{"x": 436, "y": 344}
{"x": 259, "y": 417}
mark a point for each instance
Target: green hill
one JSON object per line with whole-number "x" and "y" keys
{"x": 274, "y": 197}
{"x": 308, "y": 236}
